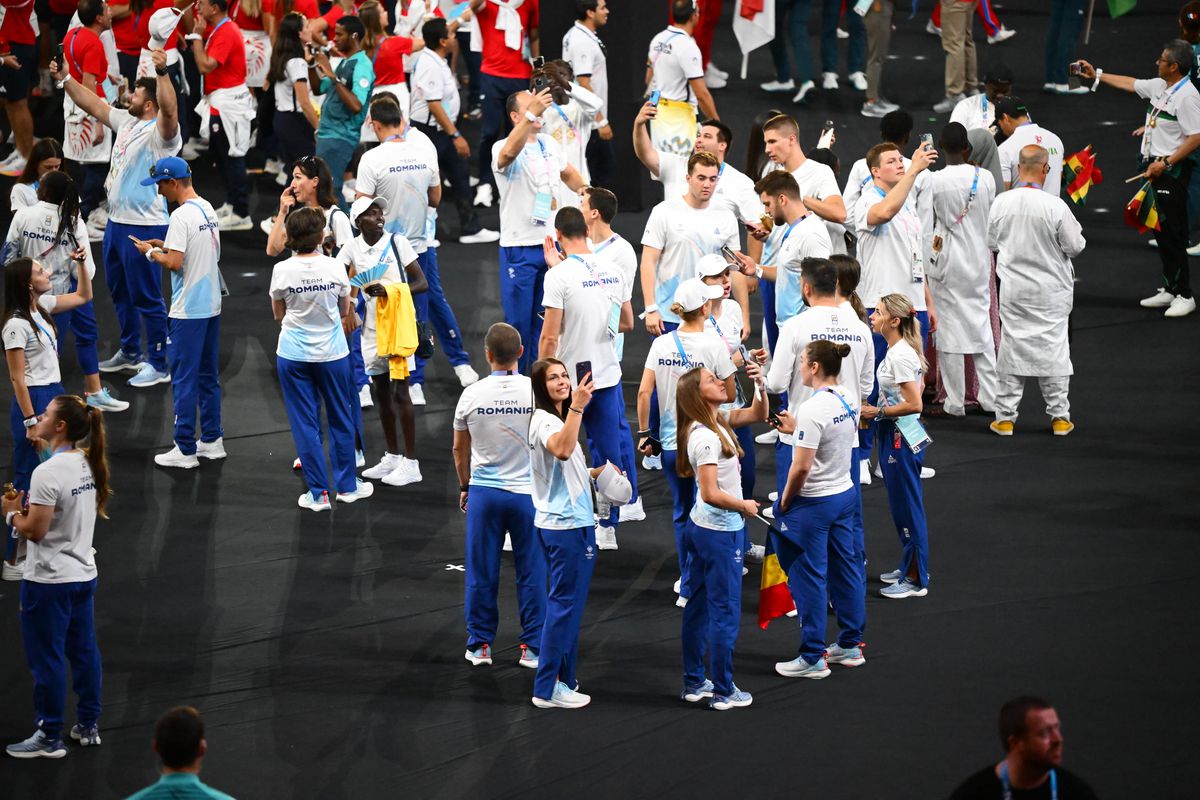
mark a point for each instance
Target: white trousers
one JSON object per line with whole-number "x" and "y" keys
{"x": 954, "y": 380}
{"x": 1009, "y": 389}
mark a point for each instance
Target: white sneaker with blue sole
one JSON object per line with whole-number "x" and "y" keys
{"x": 563, "y": 697}
{"x": 104, "y": 401}
{"x": 147, "y": 375}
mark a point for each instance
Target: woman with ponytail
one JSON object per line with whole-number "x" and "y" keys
{"x": 31, "y": 352}
{"x": 68, "y": 490}
{"x": 900, "y": 379}
{"x": 849, "y": 273}
{"x": 713, "y": 536}
{"x": 818, "y": 511}
{"x": 51, "y": 231}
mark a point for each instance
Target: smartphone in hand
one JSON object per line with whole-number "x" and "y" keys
{"x": 582, "y": 370}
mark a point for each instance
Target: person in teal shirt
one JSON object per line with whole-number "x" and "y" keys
{"x": 180, "y": 745}
{"x": 346, "y": 91}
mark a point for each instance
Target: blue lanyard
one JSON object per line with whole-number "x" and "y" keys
{"x": 607, "y": 242}
{"x": 214, "y": 30}
{"x": 970, "y": 198}
{"x": 842, "y": 400}
{"x": 679, "y": 347}
{"x": 1027, "y": 184}
{"x": 565, "y": 119}
{"x": 985, "y": 108}
{"x": 1157, "y": 111}
{"x": 402, "y": 136}
{"x": 775, "y": 252}
{"x": 499, "y": 373}
{"x": 212, "y": 230}
{"x": 1008, "y": 788}
{"x": 53, "y": 341}
{"x": 716, "y": 325}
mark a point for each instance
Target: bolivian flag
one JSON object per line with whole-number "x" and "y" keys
{"x": 1142, "y": 211}
{"x": 1081, "y": 174}
{"x": 774, "y": 597}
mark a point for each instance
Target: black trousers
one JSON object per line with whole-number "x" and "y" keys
{"x": 455, "y": 170}
{"x": 296, "y": 138}
{"x": 1171, "y": 197}
{"x": 601, "y": 158}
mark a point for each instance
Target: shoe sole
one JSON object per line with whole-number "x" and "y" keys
{"x": 148, "y": 385}
{"x": 889, "y": 581}
{"x": 85, "y": 742}
{"x": 895, "y": 596}
{"x": 38, "y": 754}
{"x": 999, "y": 432}
{"x": 480, "y": 662}
{"x": 176, "y": 465}
{"x": 122, "y": 368}
{"x": 637, "y": 517}
{"x": 849, "y": 662}
{"x": 814, "y": 675}
{"x": 729, "y": 704}
{"x": 696, "y": 698}
{"x": 322, "y": 507}
{"x": 540, "y": 703}
{"x": 111, "y": 409}
{"x": 404, "y": 483}
{"x": 354, "y": 498}
{"x": 1067, "y": 432}
{"x": 527, "y": 664}
{"x": 214, "y": 457}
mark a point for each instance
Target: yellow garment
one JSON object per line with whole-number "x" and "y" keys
{"x": 396, "y": 328}
{"x": 673, "y": 130}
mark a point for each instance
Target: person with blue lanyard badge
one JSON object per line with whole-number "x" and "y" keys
{"x": 191, "y": 252}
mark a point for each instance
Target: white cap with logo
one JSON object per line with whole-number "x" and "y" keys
{"x": 694, "y": 293}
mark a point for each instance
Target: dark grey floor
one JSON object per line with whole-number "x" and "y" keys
{"x": 325, "y": 650}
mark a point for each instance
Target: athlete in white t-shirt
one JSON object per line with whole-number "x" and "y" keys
{"x": 529, "y": 168}
{"x": 491, "y": 458}
{"x": 674, "y": 66}
{"x": 146, "y": 132}
{"x": 1012, "y": 118}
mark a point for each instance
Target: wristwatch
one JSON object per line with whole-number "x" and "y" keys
{"x": 30, "y": 421}
{"x": 1099, "y": 72}
{"x": 456, "y": 135}
{"x": 529, "y": 115}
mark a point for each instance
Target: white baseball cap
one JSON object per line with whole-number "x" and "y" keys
{"x": 694, "y": 293}
{"x": 162, "y": 26}
{"x": 360, "y": 206}
{"x": 712, "y": 264}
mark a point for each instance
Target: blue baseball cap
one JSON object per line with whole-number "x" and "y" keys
{"x": 166, "y": 169}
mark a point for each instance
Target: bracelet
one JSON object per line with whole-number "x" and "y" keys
{"x": 162, "y": 73}
{"x": 456, "y": 135}
{"x": 30, "y": 421}
{"x": 651, "y": 309}
{"x": 150, "y": 253}
{"x": 9, "y": 517}
{"x": 529, "y": 115}
{"x": 577, "y": 411}
{"x": 1095, "y": 85}
{"x": 464, "y": 487}
{"x": 194, "y": 37}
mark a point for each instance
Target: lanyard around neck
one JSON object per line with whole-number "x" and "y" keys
{"x": 606, "y": 243}
{"x": 1008, "y": 787}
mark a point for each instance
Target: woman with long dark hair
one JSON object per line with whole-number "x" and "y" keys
{"x": 295, "y": 119}
{"x": 31, "y": 353}
{"x": 311, "y": 187}
{"x": 67, "y": 492}
{"x": 46, "y": 156}
{"x": 52, "y": 231}
{"x": 757, "y": 163}
{"x": 565, "y": 522}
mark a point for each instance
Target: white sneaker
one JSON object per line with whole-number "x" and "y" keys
{"x": 632, "y": 512}
{"x": 1002, "y": 35}
{"x": 223, "y": 210}
{"x": 768, "y": 512}
{"x": 778, "y": 86}
{"x": 713, "y": 78}
{"x": 360, "y": 459}
{"x": 13, "y": 572}
{"x": 842, "y": 33}
{"x": 803, "y": 92}
{"x": 1194, "y": 250}
{"x": 1181, "y": 307}
{"x": 720, "y": 73}
{"x": 362, "y": 490}
{"x": 829, "y": 80}
{"x": 95, "y": 233}
{"x": 678, "y": 585}
{"x": 104, "y": 401}
{"x": 681, "y": 602}
{"x": 652, "y": 462}
{"x": 932, "y": 29}
{"x": 466, "y": 376}
{"x": 879, "y": 470}
{"x": 296, "y": 464}
{"x": 213, "y": 450}
{"x": 563, "y": 697}
{"x": 408, "y": 472}
{"x": 864, "y": 472}
{"x": 606, "y": 538}
{"x": 306, "y": 501}
{"x": 283, "y": 179}
{"x": 364, "y": 396}
{"x": 507, "y": 546}
{"x": 175, "y": 458}
{"x": 770, "y": 437}
{"x": 386, "y": 466}
{"x": 483, "y": 195}
{"x": 273, "y": 166}
{"x": 858, "y": 81}
{"x": 1152, "y": 241}
{"x": 1161, "y": 299}
{"x": 416, "y": 393}
{"x": 190, "y": 152}
{"x": 927, "y": 473}
{"x": 13, "y": 166}
{"x": 266, "y": 225}
{"x": 773, "y": 497}
{"x": 756, "y": 553}
{"x": 235, "y": 223}
{"x": 482, "y": 236}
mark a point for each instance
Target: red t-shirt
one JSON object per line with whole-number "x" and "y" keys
{"x": 84, "y": 53}
{"x": 246, "y": 22}
{"x": 224, "y": 44}
{"x": 17, "y": 27}
{"x": 389, "y": 60}
{"x": 498, "y": 59}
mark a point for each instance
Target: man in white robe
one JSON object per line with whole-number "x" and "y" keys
{"x": 1036, "y": 237}
{"x": 953, "y": 207}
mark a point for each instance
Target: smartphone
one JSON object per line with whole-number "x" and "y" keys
{"x": 730, "y": 256}
{"x": 652, "y": 100}
{"x": 582, "y": 370}
{"x": 927, "y": 141}
{"x": 539, "y": 62}
{"x": 1074, "y": 69}
{"x": 826, "y": 140}
{"x": 540, "y": 81}
{"x": 58, "y": 58}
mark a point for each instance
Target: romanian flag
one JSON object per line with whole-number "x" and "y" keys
{"x": 1081, "y": 174}
{"x": 1142, "y": 211}
{"x": 774, "y": 597}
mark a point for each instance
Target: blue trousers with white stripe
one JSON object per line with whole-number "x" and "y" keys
{"x": 306, "y": 386}
{"x": 609, "y": 437}
{"x": 902, "y": 476}
{"x": 714, "y": 592}
{"x": 195, "y": 378}
{"x": 136, "y": 288}
{"x": 828, "y": 567}
{"x": 433, "y": 307}
{"x": 491, "y": 512}
{"x": 867, "y": 435}
{"x": 25, "y": 457}
{"x": 522, "y": 272}
{"x": 683, "y": 496}
{"x": 57, "y": 627}
{"x": 571, "y": 556}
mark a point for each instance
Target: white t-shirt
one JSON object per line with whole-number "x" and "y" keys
{"x": 808, "y": 239}
{"x": 562, "y": 490}
{"x": 888, "y": 251}
{"x": 311, "y": 288}
{"x": 684, "y": 234}
{"x": 824, "y": 424}
{"x": 838, "y": 325}
{"x": 859, "y": 181}
{"x": 294, "y": 71}
{"x": 496, "y": 411}
{"x": 403, "y": 171}
{"x": 33, "y": 230}
{"x": 735, "y": 189}
{"x": 363, "y": 257}
{"x": 1176, "y": 113}
{"x": 900, "y": 365}
{"x": 817, "y": 180}
{"x": 1027, "y": 134}
{"x": 974, "y": 112}
{"x": 432, "y": 81}
{"x": 136, "y": 148}
{"x": 571, "y": 125}
{"x": 664, "y": 360}
{"x": 704, "y": 447}
{"x": 728, "y": 325}
{"x": 675, "y": 59}
{"x": 195, "y": 289}
{"x": 22, "y": 195}
{"x": 620, "y": 253}
{"x": 537, "y": 168}
{"x": 586, "y": 288}
{"x": 588, "y": 58}
{"x": 41, "y": 351}
{"x": 64, "y": 555}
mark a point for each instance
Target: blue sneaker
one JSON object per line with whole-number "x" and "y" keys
{"x": 481, "y": 655}
{"x": 528, "y": 659}
{"x": 694, "y": 694}
{"x": 799, "y": 668}
{"x": 147, "y": 375}
{"x": 895, "y": 576}
{"x": 736, "y": 699}
{"x": 104, "y": 401}
{"x": 120, "y": 362}
{"x": 563, "y": 697}
{"x": 86, "y": 736}
{"x": 38, "y": 746}
{"x": 905, "y": 588}
{"x": 846, "y": 656}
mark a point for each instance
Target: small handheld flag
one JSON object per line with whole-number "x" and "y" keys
{"x": 1142, "y": 211}
{"x": 1082, "y": 172}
